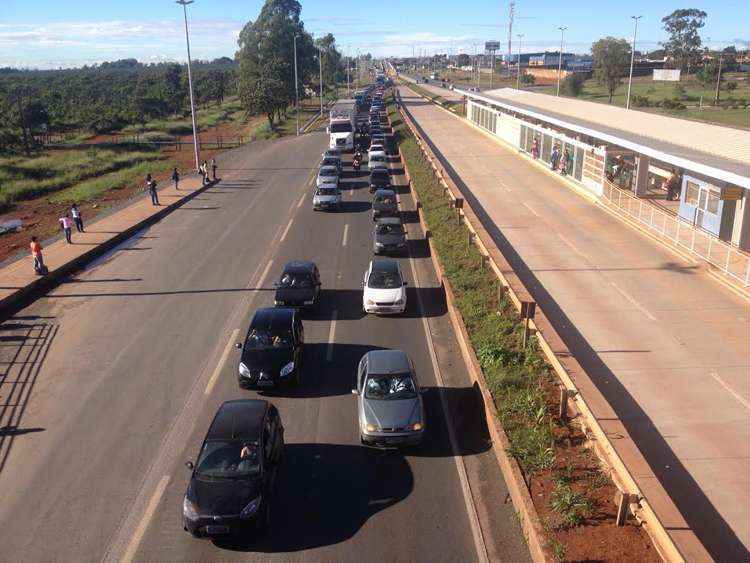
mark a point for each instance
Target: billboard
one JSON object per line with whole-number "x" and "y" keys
{"x": 492, "y": 46}
{"x": 667, "y": 74}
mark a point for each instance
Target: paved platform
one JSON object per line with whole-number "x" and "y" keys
{"x": 663, "y": 342}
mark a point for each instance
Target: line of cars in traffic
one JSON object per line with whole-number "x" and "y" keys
{"x": 232, "y": 481}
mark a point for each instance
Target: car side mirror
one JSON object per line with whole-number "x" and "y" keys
{"x": 328, "y": 130}
{"x": 355, "y": 392}
{"x": 238, "y": 345}
{"x": 189, "y": 465}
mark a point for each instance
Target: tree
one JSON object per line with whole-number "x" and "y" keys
{"x": 684, "y": 43}
{"x": 611, "y": 62}
{"x": 708, "y": 73}
{"x": 333, "y": 71}
{"x": 463, "y": 60}
{"x": 572, "y": 85}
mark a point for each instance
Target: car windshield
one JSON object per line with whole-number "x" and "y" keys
{"x": 330, "y": 161}
{"x": 297, "y": 279}
{"x": 385, "y": 199}
{"x": 384, "y": 280}
{"x": 390, "y": 230}
{"x": 390, "y": 387}
{"x": 328, "y": 171}
{"x": 267, "y": 339}
{"x": 345, "y": 127}
{"x": 326, "y": 191}
{"x": 377, "y": 158}
{"x": 227, "y": 460}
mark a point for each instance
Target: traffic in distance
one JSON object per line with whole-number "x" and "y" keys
{"x": 234, "y": 475}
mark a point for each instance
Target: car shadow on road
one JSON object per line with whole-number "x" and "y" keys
{"x": 327, "y": 493}
{"x": 418, "y": 248}
{"x": 431, "y": 299}
{"x": 355, "y": 206}
{"x": 411, "y": 216}
{"x": 346, "y": 302}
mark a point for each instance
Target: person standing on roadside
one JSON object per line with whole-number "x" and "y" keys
{"x": 151, "y": 187}
{"x": 204, "y": 172}
{"x": 673, "y": 185}
{"x": 77, "y": 219}
{"x": 214, "y": 168}
{"x": 67, "y": 225}
{"x": 36, "y": 254}
{"x": 176, "y": 178}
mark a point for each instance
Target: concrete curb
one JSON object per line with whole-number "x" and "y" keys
{"x": 26, "y": 295}
{"x": 530, "y": 522}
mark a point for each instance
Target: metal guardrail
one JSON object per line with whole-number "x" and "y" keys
{"x": 722, "y": 255}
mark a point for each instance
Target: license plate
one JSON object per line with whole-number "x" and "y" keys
{"x": 265, "y": 383}
{"x": 217, "y": 529}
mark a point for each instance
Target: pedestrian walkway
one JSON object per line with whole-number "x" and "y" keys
{"x": 20, "y": 274}
{"x": 662, "y": 341}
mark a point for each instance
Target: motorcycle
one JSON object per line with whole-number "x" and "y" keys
{"x": 357, "y": 163}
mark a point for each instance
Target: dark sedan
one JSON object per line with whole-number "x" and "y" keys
{"x": 232, "y": 482}
{"x": 299, "y": 285}
{"x": 389, "y": 236}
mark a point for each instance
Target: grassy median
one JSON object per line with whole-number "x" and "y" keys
{"x": 571, "y": 494}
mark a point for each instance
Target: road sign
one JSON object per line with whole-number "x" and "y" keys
{"x": 492, "y": 46}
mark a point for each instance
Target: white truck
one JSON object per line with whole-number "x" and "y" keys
{"x": 341, "y": 128}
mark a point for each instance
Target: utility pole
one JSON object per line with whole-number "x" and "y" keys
{"x": 559, "y": 61}
{"x": 296, "y": 87}
{"x": 632, "y": 59}
{"x": 348, "y": 88}
{"x": 718, "y": 80}
{"x": 184, "y": 4}
{"x": 320, "y": 74}
{"x": 518, "y": 72}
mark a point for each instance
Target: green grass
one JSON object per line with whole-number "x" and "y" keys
{"x": 571, "y": 508}
{"x": 229, "y": 111}
{"x": 23, "y": 178}
{"x": 730, "y": 112}
{"x": 516, "y": 377}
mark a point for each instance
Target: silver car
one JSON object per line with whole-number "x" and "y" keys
{"x": 389, "y": 400}
{"x": 327, "y": 196}
{"x": 327, "y": 175}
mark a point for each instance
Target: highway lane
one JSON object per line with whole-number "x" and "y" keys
{"x": 127, "y": 382}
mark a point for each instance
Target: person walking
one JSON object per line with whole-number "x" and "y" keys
{"x": 214, "y": 168}
{"x": 67, "y": 225}
{"x": 151, "y": 187}
{"x": 36, "y": 254}
{"x": 535, "y": 149}
{"x": 204, "y": 172}
{"x": 77, "y": 219}
{"x": 176, "y": 178}
{"x": 554, "y": 157}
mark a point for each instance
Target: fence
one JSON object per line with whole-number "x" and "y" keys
{"x": 730, "y": 260}
{"x": 167, "y": 144}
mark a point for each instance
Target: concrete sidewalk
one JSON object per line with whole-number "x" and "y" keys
{"x": 663, "y": 342}
{"x": 19, "y": 283}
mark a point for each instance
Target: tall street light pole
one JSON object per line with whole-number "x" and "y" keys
{"x": 320, "y": 74}
{"x": 559, "y": 60}
{"x": 632, "y": 59}
{"x": 296, "y": 87}
{"x": 184, "y": 4}
{"x": 518, "y": 71}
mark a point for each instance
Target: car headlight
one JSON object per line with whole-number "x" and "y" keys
{"x": 378, "y": 244}
{"x": 251, "y": 508}
{"x": 188, "y": 509}
{"x": 244, "y": 372}
{"x": 417, "y": 426}
{"x": 287, "y": 369}
{"x": 370, "y": 428}
{"x": 370, "y": 302}
{"x": 277, "y": 302}
{"x": 399, "y": 301}
{"x": 309, "y": 302}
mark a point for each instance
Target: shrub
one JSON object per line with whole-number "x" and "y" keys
{"x": 572, "y": 85}
{"x": 527, "y": 79}
{"x": 730, "y": 86}
{"x": 639, "y": 101}
{"x": 672, "y": 104}
{"x": 679, "y": 91}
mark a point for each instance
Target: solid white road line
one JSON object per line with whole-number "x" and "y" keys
{"x": 476, "y": 528}
{"x": 346, "y": 235}
{"x": 301, "y": 200}
{"x": 572, "y": 247}
{"x": 135, "y": 540}
{"x": 632, "y": 301}
{"x": 331, "y": 335}
{"x": 527, "y": 206}
{"x": 744, "y": 402}
{"x": 222, "y": 361}
{"x": 286, "y": 231}
{"x": 262, "y": 278}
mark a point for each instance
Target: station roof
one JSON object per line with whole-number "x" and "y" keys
{"x": 718, "y": 152}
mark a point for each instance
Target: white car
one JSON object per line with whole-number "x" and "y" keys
{"x": 327, "y": 175}
{"x": 384, "y": 288}
{"x": 375, "y": 147}
{"x": 376, "y": 159}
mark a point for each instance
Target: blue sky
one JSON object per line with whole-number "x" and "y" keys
{"x": 47, "y": 33}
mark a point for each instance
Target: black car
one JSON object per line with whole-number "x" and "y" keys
{"x": 272, "y": 350}
{"x": 232, "y": 482}
{"x": 380, "y": 179}
{"x": 384, "y": 204}
{"x": 299, "y": 285}
{"x": 389, "y": 236}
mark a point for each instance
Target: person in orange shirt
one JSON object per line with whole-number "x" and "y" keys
{"x": 36, "y": 253}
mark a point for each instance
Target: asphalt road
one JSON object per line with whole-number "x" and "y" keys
{"x": 109, "y": 383}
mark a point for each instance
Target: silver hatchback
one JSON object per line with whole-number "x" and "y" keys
{"x": 389, "y": 400}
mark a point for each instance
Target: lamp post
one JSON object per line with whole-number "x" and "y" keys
{"x": 518, "y": 72}
{"x": 559, "y": 60}
{"x": 632, "y": 59}
{"x": 320, "y": 74}
{"x": 296, "y": 87}
{"x": 184, "y": 4}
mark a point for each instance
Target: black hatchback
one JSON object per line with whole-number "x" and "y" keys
{"x": 272, "y": 350}
{"x": 233, "y": 480}
{"x": 380, "y": 179}
{"x": 299, "y": 285}
{"x": 384, "y": 204}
